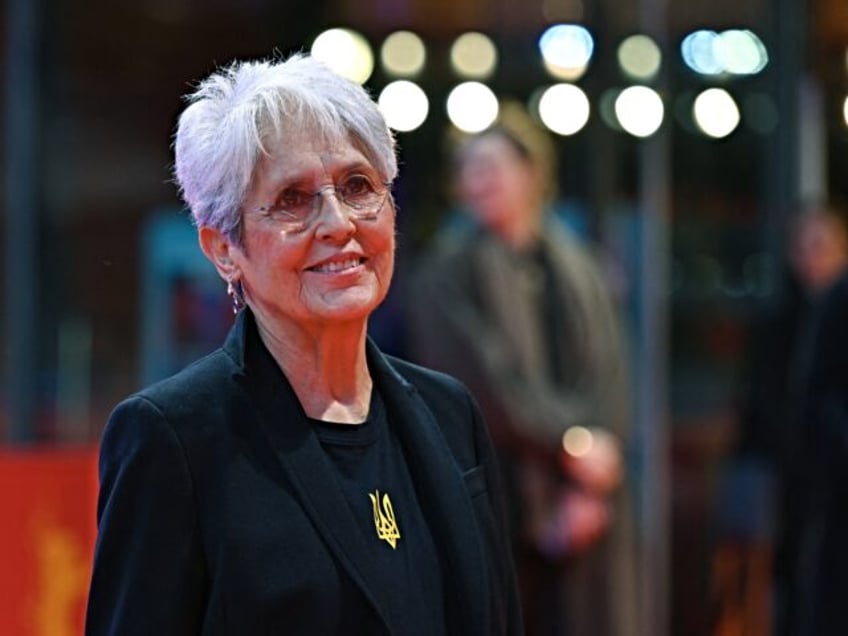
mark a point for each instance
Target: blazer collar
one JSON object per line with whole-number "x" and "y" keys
{"x": 438, "y": 480}
{"x": 299, "y": 454}
{"x": 442, "y": 495}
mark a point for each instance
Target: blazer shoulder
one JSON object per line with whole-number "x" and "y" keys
{"x": 452, "y": 406}
{"x": 194, "y": 389}
{"x": 429, "y": 382}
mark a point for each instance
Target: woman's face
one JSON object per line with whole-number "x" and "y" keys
{"x": 496, "y": 183}
{"x": 819, "y": 252}
{"x": 339, "y": 268}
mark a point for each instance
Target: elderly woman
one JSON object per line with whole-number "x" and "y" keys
{"x": 296, "y": 480}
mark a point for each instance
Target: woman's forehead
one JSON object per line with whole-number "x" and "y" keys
{"x": 292, "y": 135}
{"x": 303, "y": 152}
{"x": 489, "y": 150}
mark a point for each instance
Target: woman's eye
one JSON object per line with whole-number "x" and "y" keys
{"x": 357, "y": 185}
{"x": 294, "y": 200}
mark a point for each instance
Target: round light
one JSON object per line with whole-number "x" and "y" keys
{"x": 845, "y": 111}
{"x": 566, "y": 50}
{"x": 473, "y": 55}
{"x": 564, "y": 109}
{"x": 681, "y": 110}
{"x": 761, "y": 113}
{"x": 404, "y": 105}
{"x": 346, "y": 52}
{"x": 740, "y": 52}
{"x": 403, "y": 54}
{"x": 698, "y": 51}
{"x": 578, "y": 441}
{"x": 639, "y": 57}
{"x": 472, "y": 107}
{"x": 639, "y": 110}
{"x": 716, "y": 113}
{"x": 606, "y": 107}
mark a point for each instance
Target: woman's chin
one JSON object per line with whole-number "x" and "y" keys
{"x": 345, "y": 305}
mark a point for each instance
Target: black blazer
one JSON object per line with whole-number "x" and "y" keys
{"x": 219, "y": 512}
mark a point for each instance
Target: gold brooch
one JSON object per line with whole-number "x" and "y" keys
{"x": 384, "y": 519}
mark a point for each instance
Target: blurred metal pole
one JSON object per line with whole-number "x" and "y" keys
{"x": 21, "y": 124}
{"x": 791, "y": 45}
{"x": 652, "y": 412}
{"x": 782, "y": 185}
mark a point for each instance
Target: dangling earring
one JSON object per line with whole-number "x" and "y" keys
{"x": 234, "y": 292}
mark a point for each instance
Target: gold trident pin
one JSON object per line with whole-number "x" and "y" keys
{"x": 384, "y": 519}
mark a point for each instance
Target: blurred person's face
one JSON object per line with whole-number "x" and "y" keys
{"x": 820, "y": 253}
{"x": 497, "y": 184}
{"x": 339, "y": 267}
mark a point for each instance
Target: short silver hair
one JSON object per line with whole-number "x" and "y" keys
{"x": 230, "y": 115}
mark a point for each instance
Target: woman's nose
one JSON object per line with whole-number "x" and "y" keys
{"x": 333, "y": 217}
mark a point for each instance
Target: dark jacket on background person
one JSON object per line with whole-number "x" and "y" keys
{"x": 823, "y": 565}
{"x": 219, "y": 512}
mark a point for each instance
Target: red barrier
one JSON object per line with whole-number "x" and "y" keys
{"x": 47, "y": 532}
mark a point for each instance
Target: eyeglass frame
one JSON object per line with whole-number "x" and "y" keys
{"x": 315, "y": 211}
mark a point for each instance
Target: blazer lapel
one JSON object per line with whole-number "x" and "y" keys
{"x": 302, "y": 458}
{"x": 443, "y": 497}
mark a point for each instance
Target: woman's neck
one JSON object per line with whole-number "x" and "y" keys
{"x": 523, "y": 231}
{"x": 326, "y": 367}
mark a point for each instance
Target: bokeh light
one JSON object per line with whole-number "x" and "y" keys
{"x": 404, "y": 105}
{"x": 845, "y": 111}
{"x": 735, "y": 51}
{"x": 681, "y": 110}
{"x": 403, "y": 54}
{"x": 639, "y": 110}
{"x": 346, "y": 52}
{"x": 741, "y": 52}
{"x": 578, "y": 441}
{"x": 698, "y": 51}
{"x": 639, "y": 57}
{"x": 474, "y": 56}
{"x": 606, "y": 107}
{"x": 564, "y": 109}
{"x": 566, "y": 50}
{"x": 760, "y": 113}
{"x": 716, "y": 113}
{"x": 472, "y": 107}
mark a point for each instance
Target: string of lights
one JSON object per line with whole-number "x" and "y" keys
{"x": 566, "y": 52}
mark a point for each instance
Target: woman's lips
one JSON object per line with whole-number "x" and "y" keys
{"x": 336, "y": 266}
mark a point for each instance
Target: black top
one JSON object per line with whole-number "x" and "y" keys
{"x": 374, "y": 477}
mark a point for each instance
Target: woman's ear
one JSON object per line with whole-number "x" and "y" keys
{"x": 220, "y": 251}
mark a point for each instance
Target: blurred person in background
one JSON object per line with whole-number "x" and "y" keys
{"x": 769, "y": 491}
{"x": 823, "y": 564}
{"x": 516, "y": 307}
{"x": 297, "y": 480}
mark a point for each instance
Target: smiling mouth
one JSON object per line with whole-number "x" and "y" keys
{"x": 334, "y": 267}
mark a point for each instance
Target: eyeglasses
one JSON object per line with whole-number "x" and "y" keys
{"x": 297, "y": 209}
